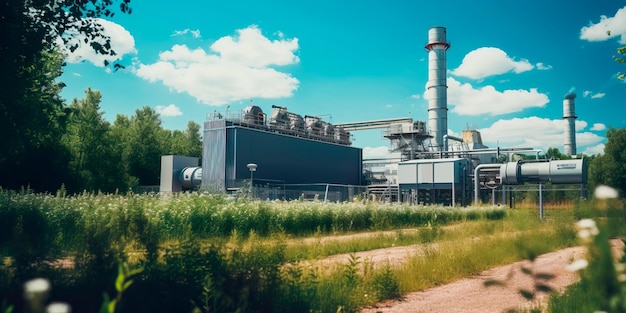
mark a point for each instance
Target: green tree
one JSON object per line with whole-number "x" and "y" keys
{"x": 120, "y": 135}
{"x": 610, "y": 168}
{"x": 555, "y": 153}
{"x": 32, "y": 121}
{"x": 94, "y": 164}
{"x": 188, "y": 142}
{"x": 31, "y": 116}
{"x": 141, "y": 142}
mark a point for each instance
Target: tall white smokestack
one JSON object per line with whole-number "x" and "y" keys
{"x": 437, "y": 89}
{"x": 569, "y": 115}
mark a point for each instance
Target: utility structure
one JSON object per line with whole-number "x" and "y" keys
{"x": 300, "y": 157}
{"x": 569, "y": 115}
{"x": 437, "y": 88}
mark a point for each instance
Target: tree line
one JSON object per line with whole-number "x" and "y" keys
{"x": 86, "y": 152}
{"x": 47, "y": 143}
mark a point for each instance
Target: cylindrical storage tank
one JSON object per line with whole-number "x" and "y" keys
{"x": 437, "y": 34}
{"x": 568, "y": 171}
{"x": 534, "y": 172}
{"x": 510, "y": 173}
{"x": 191, "y": 177}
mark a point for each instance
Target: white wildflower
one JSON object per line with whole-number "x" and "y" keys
{"x": 605, "y": 192}
{"x": 586, "y": 223}
{"x": 36, "y": 292}
{"x": 586, "y": 229}
{"x": 37, "y": 286}
{"x": 58, "y": 307}
{"x": 584, "y": 234}
{"x": 577, "y": 265}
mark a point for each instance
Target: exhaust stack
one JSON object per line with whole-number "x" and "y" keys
{"x": 437, "y": 88}
{"x": 569, "y": 115}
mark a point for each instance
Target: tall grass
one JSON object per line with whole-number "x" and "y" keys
{"x": 602, "y": 286}
{"x": 204, "y": 252}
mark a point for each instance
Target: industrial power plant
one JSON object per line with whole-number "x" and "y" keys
{"x": 284, "y": 155}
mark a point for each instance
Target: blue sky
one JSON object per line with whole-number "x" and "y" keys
{"x": 509, "y": 65}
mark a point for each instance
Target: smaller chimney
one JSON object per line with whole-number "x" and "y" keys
{"x": 569, "y": 115}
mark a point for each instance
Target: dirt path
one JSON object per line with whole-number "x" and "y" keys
{"x": 469, "y": 294}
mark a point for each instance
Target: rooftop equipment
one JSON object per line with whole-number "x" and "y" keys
{"x": 252, "y": 114}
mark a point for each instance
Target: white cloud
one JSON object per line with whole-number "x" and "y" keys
{"x": 416, "y": 97}
{"x": 389, "y": 106}
{"x": 543, "y": 67}
{"x": 588, "y": 93}
{"x": 195, "y": 33}
{"x": 376, "y": 152}
{"x": 535, "y": 132}
{"x": 598, "y": 127}
{"x": 170, "y": 110}
{"x": 122, "y": 42}
{"x": 593, "y": 150}
{"x": 234, "y": 69}
{"x": 598, "y": 31}
{"x": 253, "y": 49}
{"x": 467, "y": 100}
{"x": 490, "y": 61}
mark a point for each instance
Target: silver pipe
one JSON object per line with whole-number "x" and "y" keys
{"x": 445, "y": 141}
{"x": 382, "y": 123}
{"x": 476, "y": 182}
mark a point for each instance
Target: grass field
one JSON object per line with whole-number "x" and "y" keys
{"x": 203, "y": 252}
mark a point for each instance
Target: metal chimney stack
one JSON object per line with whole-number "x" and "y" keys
{"x": 437, "y": 88}
{"x": 569, "y": 115}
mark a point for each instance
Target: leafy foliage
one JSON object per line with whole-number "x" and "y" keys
{"x": 182, "y": 243}
{"x": 33, "y": 119}
{"x": 610, "y": 168}
{"x": 621, "y": 51}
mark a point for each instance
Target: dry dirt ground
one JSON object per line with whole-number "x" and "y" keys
{"x": 470, "y": 295}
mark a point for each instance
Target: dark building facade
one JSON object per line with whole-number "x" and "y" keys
{"x": 285, "y": 160}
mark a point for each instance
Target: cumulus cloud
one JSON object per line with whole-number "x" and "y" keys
{"x": 416, "y": 97}
{"x": 234, "y": 68}
{"x": 467, "y": 100}
{"x": 122, "y": 42}
{"x": 170, "y": 110}
{"x": 598, "y": 127}
{"x": 592, "y": 95}
{"x": 606, "y": 28}
{"x": 593, "y": 150}
{"x": 489, "y": 61}
{"x": 543, "y": 67}
{"x": 376, "y": 152}
{"x": 535, "y": 132}
{"x": 195, "y": 33}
